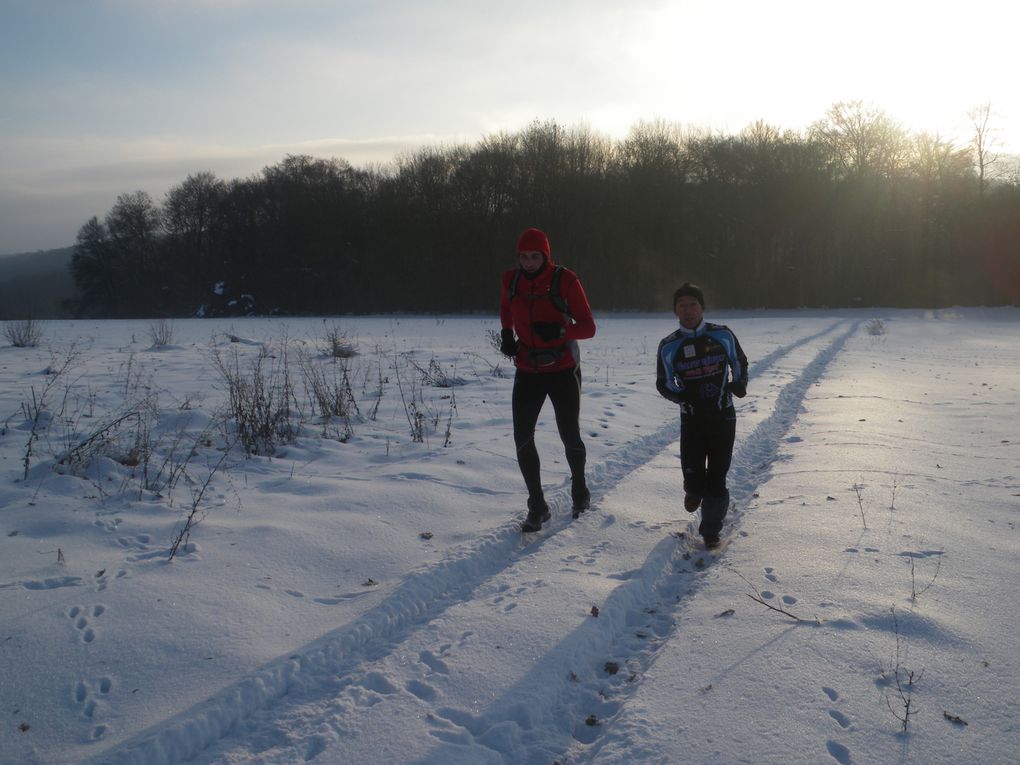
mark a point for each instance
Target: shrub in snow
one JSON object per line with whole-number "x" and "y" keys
{"x": 259, "y": 399}
{"x": 161, "y": 333}
{"x": 24, "y": 333}
{"x": 339, "y": 344}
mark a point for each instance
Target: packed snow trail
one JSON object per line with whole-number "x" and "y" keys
{"x": 313, "y": 676}
{"x": 752, "y": 463}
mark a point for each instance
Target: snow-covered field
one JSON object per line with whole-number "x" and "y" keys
{"x": 359, "y": 597}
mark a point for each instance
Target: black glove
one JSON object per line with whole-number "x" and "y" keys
{"x": 738, "y": 388}
{"x": 547, "y": 330}
{"x": 507, "y": 344}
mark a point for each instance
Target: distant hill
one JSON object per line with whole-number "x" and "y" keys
{"x": 36, "y": 284}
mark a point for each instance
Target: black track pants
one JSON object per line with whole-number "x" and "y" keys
{"x": 706, "y": 450}
{"x": 530, "y": 392}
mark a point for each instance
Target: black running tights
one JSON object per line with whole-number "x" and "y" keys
{"x": 530, "y": 392}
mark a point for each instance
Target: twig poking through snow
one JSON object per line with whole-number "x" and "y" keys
{"x": 859, "y": 490}
{"x": 913, "y": 583}
{"x": 904, "y": 680}
{"x": 757, "y": 598}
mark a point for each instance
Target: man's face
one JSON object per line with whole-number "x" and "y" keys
{"x": 689, "y": 311}
{"x": 531, "y": 260}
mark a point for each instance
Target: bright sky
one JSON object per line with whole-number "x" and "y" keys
{"x": 111, "y": 96}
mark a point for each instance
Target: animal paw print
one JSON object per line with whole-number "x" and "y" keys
{"x": 770, "y": 576}
{"x": 139, "y": 542}
{"x": 102, "y": 578}
{"x": 81, "y": 616}
{"x": 839, "y": 752}
{"x": 506, "y": 597}
{"x": 141, "y": 549}
{"x": 88, "y": 696}
{"x": 501, "y": 596}
{"x": 108, "y": 524}
{"x": 841, "y": 719}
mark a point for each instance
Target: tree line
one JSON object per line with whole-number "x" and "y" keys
{"x": 854, "y": 211}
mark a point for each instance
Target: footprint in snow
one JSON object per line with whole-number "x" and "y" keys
{"x": 838, "y": 752}
{"x": 839, "y": 717}
{"x": 50, "y": 584}
{"x": 139, "y": 542}
{"x": 331, "y": 601}
{"x": 920, "y": 553}
{"x": 81, "y": 618}
{"x": 623, "y": 576}
{"x": 434, "y": 663}
{"x": 316, "y": 746}
{"x": 378, "y": 682}
{"x": 87, "y": 696}
{"x": 423, "y": 691}
{"x": 107, "y": 524}
{"x": 103, "y": 578}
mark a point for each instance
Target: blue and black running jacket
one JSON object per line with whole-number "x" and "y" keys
{"x": 701, "y": 369}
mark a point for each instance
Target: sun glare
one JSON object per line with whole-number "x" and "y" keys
{"x": 788, "y": 62}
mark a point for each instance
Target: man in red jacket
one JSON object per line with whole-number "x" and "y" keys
{"x": 547, "y": 308}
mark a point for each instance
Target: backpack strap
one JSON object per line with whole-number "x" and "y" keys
{"x": 512, "y": 289}
{"x": 555, "y": 296}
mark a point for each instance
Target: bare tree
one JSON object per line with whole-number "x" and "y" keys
{"x": 983, "y": 143}
{"x": 861, "y": 139}
{"x": 935, "y": 160}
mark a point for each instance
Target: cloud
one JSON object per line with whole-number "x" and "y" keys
{"x": 56, "y": 185}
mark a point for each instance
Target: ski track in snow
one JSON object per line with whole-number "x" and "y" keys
{"x": 638, "y": 616}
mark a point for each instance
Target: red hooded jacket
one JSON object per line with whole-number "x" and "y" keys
{"x": 531, "y": 303}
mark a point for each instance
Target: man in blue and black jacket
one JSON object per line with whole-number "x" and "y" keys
{"x": 701, "y": 367}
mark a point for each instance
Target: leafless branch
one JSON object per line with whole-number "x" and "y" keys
{"x": 859, "y": 491}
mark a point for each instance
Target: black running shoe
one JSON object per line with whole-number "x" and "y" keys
{"x": 538, "y": 513}
{"x": 581, "y": 502}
